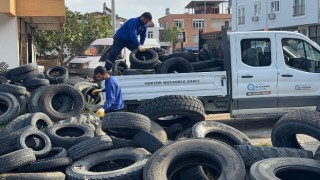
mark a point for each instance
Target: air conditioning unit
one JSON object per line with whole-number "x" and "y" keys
{"x": 255, "y": 18}
{"x": 272, "y": 15}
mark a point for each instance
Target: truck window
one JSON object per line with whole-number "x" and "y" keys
{"x": 95, "y": 50}
{"x": 301, "y": 55}
{"x": 256, "y": 52}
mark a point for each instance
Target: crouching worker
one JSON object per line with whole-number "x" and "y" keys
{"x": 111, "y": 92}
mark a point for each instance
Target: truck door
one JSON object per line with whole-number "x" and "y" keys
{"x": 255, "y": 73}
{"x": 298, "y": 73}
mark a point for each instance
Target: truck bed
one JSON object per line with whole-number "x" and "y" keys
{"x": 201, "y": 84}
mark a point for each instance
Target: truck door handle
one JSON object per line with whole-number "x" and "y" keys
{"x": 247, "y": 76}
{"x": 287, "y": 75}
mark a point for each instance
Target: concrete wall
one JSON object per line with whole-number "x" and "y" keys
{"x": 9, "y": 40}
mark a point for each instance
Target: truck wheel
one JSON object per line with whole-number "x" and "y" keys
{"x": 56, "y": 74}
{"x": 284, "y": 132}
{"x": 252, "y": 154}
{"x": 189, "y": 109}
{"x": 176, "y": 65}
{"x": 214, "y": 155}
{"x": 220, "y": 132}
{"x": 11, "y": 107}
{"x": 144, "y": 60}
{"x": 285, "y": 168}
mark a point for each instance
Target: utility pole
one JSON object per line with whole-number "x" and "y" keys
{"x": 113, "y": 17}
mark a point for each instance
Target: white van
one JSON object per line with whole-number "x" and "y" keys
{"x": 96, "y": 54}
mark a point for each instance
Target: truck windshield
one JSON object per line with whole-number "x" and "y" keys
{"x": 95, "y": 50}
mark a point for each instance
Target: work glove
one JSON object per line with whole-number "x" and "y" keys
{"x": 142, "y": 49}
{"x": 96, "y": 91}
{"x": 100, "y": 112}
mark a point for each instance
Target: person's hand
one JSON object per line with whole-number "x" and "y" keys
{"x": 142, "y": 49}
{"x": 96, "y": 91}
{"x": 100, "y": 112}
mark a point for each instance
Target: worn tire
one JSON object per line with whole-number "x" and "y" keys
{"x": 67, "y": 135}
{"x": 46, "y": 165}
{"x": 189, "y": 108}
{"x": 14, "y": 125}
{"x": 190, "y": 57}
{"x": 131, "y": 72}
{"x": 124, "y": 124}
{"x": 220, "y": 132}
{"x": 205, "y": 64}
{"x": 158, "y": 132}
{"x": 23, "y": 77}
{"x": 61, "y": 77}
{"x": 123, "y": 143}
{"x": 33, "y": 102}
{"x": 136, "y": 59}
{"x": 23, "y": 101}
{"x": 86, "y": 89}
{"x": 16, "y": 159}
{"x": 54, "y": 153}
{"x": 299, "y": 122}
{"x": 23, "y": 69}
{"x": 252, "y": 154}
{"x": 37, "y": 141}
{"x": 3, "y": 67}
{"x": 73, "y": 80}
{"x": 120, "y": 66}
{"x": 13, "y": 107}
{"x": 34, "y": 176}
{"x": 285, "y": 168}
{"x": 90, "y": 146}
{"x": 167, "y": 161}
{"x": 35, "y": 83}
{"x": 148, "y": 141}
{"x": 3, "y": 80}
{"x": 13, "y": 89}
{"x": 175, "y": 65}
{"x": 133, "y": 171}
{"x": 39, "y": 120}
{"x": 46, "y": 99}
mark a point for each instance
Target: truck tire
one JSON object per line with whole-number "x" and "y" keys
{"x": 3, "y": 67}
{"x": 285, "y": 168}
{"x": 16, "y": 159}
{"x": 46, "y": 99}
{"x": 11, "y": 105}
{"x": 67, "y": 135}
{"x": 159, "y": 132}
{"x": 13, "y": 89}
{"x": 33, "y": 176}
{"x": 123, "y": 143}
{"x": 298, "y": 122}
{"x": 50, "y": 165}
{"x": 252, "y": 154}
{"x": 144, "y": 60}
{"x": 56, "y": 74}
{"x": 189, "y": 109}
{"x": 24, "y": 69}
{"x": 220, "y": 157}
{"x": 33, "y": 103}
{"x": 220, "y": 132}
{"x": 148, "y": 141}
{"x": 132, "y": 161}
{"x": 37, "y": 141}
{"x": 190, "y": 57}
{"x": 176, "y": 65}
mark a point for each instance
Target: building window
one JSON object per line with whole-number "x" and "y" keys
{"x": 166, "y": 26}
{"x": 298, "y": 8}
{"x": 178, "y": 23}
{"x": 150, "y": 35}
{"x": 257, "y": 8}
{"x": 195, "y": 39}
{"x": 275, "y": 6}
{"x": 314, "y": 33}
{"x": 198, "y": 23}
{"x": 241, "y": 15}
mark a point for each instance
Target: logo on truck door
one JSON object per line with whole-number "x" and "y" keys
{"x": 258, "y": 89}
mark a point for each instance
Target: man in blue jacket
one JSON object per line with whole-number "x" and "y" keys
{"x": 111, "y": 92}
{"x": 127, "y": 36}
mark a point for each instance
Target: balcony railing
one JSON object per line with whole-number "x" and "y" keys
{"x": 298, "y": 10}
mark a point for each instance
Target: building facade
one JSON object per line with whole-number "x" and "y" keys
{"x": 205, "y": 15}
{"x": 291, "y": 15}
{"x": 19, "y": 19}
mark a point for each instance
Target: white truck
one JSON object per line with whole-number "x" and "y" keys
{"x": 265, "y": 73}
{"x": 96, "y": 54}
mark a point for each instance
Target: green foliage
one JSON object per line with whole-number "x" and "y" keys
{"x": 171, "y": 35}
{"x": 77, "y": 33}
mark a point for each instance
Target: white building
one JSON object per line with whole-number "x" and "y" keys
{"x": 290, "y": 15}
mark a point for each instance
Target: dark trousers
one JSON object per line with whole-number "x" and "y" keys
{"x": 109, "y": 111}
{"x": 117, "y": 46}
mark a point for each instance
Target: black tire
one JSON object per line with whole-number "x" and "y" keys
{"x": 90, "y": 146}
{"x": 299, "y": 122}
{"x": 252, "y": 154}
{"x": 189, "y": 108}
{"x": 56, "y": 74}
{"x": 23, "y": 77}
{"x": 39, "y": 120}
{"x": 285, "y": 168}
{"x": 67, "y": 135}
{"x": 3, "y": 67}
{"x": 92, "y": 102}
{"x": 47, "y": 165}
{"x": 137, "y": 59}
{"x": 33, "y": 176}
{"x": 123, "y": 143}
{"x": 54, "y": 153}
{"x": 16, "y": 159}
{"x": 14, "y": 125}
{"x": 204, "y": 55}
{"x": 23, "y": 69}
{"x": 167, "y": 161}
{"x": 136, "y": 157}
{"x": 13, "y": 89}
{"x": 176, "y": 65}
{"x": 120, "y": 66}
{"x": 148, "y": 141}
{"x": 37, "y": 141}
{"x": 204, "y": 64}
{"x": 11, "y": 107}
{"x": 33, "y": 102}
{"x": 124, "y": 124}
{"x": 73, "y": 80}
{"x": 35, "y": 83}
{"x": 220, "y": 132}
{"x": 158, "y": 132}
{"x": 317, "y": 154}
{"x": 72, "y": 92}
{"x": 190, "y": 57}
{"x": 3, "y": 80}
{"x": 131, "y": 72}
{"x": 210, "y": 69}
{"x": 23, "y": 100}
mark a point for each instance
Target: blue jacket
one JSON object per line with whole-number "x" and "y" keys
{"x": 113, "y": 95}
{"x": 131, "y": 29}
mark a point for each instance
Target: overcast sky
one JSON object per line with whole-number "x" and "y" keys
{"x": 131, "y": 8}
